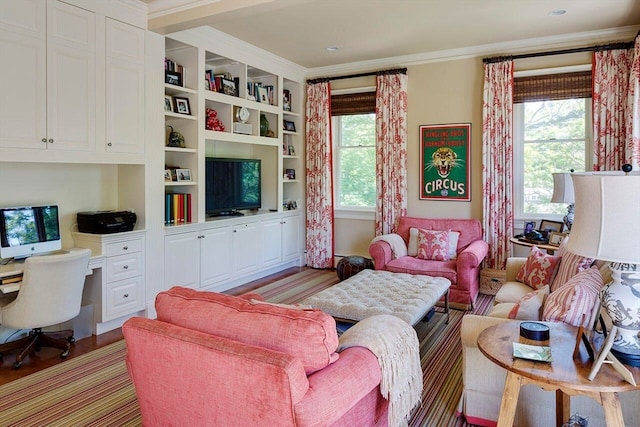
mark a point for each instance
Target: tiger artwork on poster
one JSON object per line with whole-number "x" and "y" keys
{"x": 444, "y": 162}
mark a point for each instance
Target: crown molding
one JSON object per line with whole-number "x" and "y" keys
{"x": 515, "y": 47}
{"x": 159, "y": 8}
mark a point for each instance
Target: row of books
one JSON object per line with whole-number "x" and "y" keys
{"x": 177, "y": 208}
{"x": 256, "y": 91}
{"x": 170, "y": 65}
{"x": 222, "y": 83}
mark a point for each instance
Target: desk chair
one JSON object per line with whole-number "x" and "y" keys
{"x": 50, "y": 293}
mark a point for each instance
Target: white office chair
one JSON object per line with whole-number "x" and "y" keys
{"x": 50, "y": 293}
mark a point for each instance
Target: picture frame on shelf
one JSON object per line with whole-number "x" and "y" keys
{"x": 183, "y": 175}
{"x": 551, "y": 226}
{"x": 229, "y": 87}
{"x": 167, "y": 175}
{"x": 291, "y": 151}
{"x": 168, "y": 103}
{"x": 263, "y": 95}
{"x": 173, "y": 78}
{"x": 289, "y": 125}
{"x": 556, "y": 238}
{"x": 181, "y": 105}
{"x": 286, "y": 100}
{"x": 290, "y": 173}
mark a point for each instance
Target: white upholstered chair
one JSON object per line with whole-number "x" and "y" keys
{"x": 50, "y": 294}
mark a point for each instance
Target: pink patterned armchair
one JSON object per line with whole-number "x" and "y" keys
{"x": 215, "y": 359}
{"x": 392, "y": 253}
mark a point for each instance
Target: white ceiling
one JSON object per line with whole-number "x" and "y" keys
{"x": 371, "y": 30}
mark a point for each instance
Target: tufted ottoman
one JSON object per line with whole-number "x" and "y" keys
{"x": 370, "y": 292}
{"x": 351, "y": 265}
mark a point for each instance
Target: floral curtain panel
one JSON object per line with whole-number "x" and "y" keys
{"x": 497, "y": 161}
{"x": 320, "y": 244}
{"x": 391, "y": 151}
{"x": 612, "y": 121}
{"x": 633, "y": 108}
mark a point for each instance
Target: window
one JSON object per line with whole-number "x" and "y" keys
{"x": 552, "y": 133}
{"x": 354, "y": 162}
{"x": 550, "y": 136}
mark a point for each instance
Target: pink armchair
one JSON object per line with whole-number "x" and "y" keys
{"x": 214, "y": 359}
{"x": 463, "y": 272}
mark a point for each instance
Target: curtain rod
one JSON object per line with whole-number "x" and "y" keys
{"x": 611, "y": 46}
{"x": 353, "y": 76}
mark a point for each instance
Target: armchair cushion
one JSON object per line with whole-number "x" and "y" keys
{"x": 412, "y": 249}
{"x": 308, "y": 335}
{"x": 575, "y": 298}
{"x": 539, "y": 269}
{"x": 529, "y": 307}
{"x": 433, "y": 245}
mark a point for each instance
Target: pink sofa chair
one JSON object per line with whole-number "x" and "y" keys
{"x": 463, "y": 272}
{"x": 214, "y": 359}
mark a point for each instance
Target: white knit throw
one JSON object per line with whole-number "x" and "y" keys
{"x": 397, "y": 243}
{"x": 395, "y": 344}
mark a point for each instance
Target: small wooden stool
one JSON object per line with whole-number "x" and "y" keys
{"x": 351, "y": 265}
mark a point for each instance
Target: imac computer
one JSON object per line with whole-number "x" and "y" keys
{"x": 29, "y": 230}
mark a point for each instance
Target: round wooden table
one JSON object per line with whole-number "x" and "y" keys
{"x": 566, "y": 375}
{"x": 541, "y": 245}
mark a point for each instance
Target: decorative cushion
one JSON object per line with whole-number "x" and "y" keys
{"x": 539, "y": 269}
{"x": 433, "y": 245}
{"x": 529, "y": 307}
{"x": 308, "y": 335}
{"x": 570, "y": 265}
{"x": 570, "y": 301}
{"x": 412, "y": 249}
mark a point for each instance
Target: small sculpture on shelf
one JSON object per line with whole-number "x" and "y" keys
{"x": 174, "y": 138}
{"x": 213, "y": 122}
{"x": 264, "y": 125}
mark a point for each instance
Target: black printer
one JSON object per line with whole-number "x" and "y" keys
{"x": 106, "y": 222}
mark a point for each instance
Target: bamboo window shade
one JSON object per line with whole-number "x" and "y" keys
{"x": 353, "y": 103}
{"x": 553, "y": 87}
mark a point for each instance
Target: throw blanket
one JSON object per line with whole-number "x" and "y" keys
{"x": 395, "y": 344}
{"x": 398, "y": 246}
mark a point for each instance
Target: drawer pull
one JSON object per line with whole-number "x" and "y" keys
{"x": 125, "y": 248}
{"x": 126, "y": 295}
{"x": 125, "y": 267}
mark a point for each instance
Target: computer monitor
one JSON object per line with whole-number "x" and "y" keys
{"x": 29, "y": 230}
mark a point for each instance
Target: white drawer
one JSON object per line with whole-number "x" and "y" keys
{"x": 124, "y": 266}
{"x": 124, "y": 247}
{"x": 124, "y": 297}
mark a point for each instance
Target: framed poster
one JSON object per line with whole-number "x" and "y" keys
{"x": 445, "y": 157}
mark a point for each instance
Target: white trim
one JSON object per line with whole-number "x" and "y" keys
{"x": 367, "y": 215}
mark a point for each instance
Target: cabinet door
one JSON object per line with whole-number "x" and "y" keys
{"x": 23, "y": 74}
{"x": 247, "y": 247}
{"x": 182, "y": 260}
{"x": 290, "y": 237}
{"x": 71, "y": 78}
{"x": 272, "y": 242}
{"x": 215, "y": 256}
{"x": 125, "y": 88}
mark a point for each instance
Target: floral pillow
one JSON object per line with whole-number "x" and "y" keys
{"x": 433, "y": 245}
{"x": 412, "y": 249}
{"x": 539, "y": 269}
{"x": 529, "y": 307}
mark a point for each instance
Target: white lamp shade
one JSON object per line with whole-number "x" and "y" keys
{"x": 607, "y": 208}
{"x": 562, "y": 188}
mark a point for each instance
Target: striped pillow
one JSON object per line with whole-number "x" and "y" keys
{"x": 573, "y": 299}
{"x": 570, "y": 265}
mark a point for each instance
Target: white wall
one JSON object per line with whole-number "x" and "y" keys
{"x": 73, "y": 187}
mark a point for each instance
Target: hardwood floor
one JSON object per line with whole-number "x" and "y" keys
{"x": 49, "y": 356}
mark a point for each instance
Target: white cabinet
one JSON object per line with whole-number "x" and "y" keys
{"x": 48, "y": 77}
{"x": 125, "y": 118}
{"x": 247, "y": 247}
{"x": 281, "y": 240}
{"x": 291, "y": 237}
{"x": 197, "y": 259}
{"x": 123, "y": 287}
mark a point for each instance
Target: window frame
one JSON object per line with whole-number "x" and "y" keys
{"x": 345, "y": 211}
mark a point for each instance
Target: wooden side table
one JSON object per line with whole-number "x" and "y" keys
{"x": 566, "y": 375}
{"x": 544, "y": 246}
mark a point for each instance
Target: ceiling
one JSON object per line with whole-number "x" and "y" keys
{"x": 366, "y": 31}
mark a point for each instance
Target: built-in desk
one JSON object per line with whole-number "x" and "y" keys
{"x": 115, "y": 285}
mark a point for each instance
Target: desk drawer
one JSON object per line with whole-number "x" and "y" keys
{"x": 124, "y": 266}
{"x": 124, "y": 297}
{"x": 124, "y": 247}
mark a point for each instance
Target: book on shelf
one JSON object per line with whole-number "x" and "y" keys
{"x": 177, "y": 208}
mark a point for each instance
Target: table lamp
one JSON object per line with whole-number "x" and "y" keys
{"x": 606, "y": 227}
{"x": 563, "y": 193}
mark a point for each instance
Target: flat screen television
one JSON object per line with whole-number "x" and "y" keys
{"x": 232, "y": 185}
{"x": 29, "y": 230}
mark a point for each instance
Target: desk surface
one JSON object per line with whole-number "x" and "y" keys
{"x": 544, "y": 246}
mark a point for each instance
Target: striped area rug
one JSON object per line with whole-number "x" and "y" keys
{"x": 94, "y": 389}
